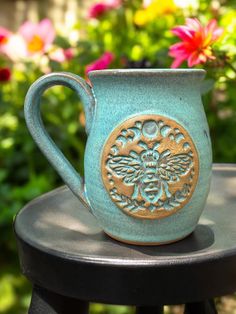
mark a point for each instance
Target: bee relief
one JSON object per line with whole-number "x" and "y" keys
{"x": 150, "y": 170}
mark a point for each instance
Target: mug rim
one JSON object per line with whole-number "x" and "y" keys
{"x": 146, "y": 72}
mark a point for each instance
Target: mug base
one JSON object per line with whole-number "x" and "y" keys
{"x": 146, "y": 243}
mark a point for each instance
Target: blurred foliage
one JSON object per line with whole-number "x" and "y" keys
{"x": 110, "y": 309}
{"x": 24, "y": 174}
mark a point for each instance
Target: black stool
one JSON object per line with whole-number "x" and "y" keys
{"x": 71, "y": 262}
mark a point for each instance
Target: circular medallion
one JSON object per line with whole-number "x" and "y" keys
{"x": 150, "y": 166}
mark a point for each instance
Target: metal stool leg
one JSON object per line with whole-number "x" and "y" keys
{"x": 149, "y": 310}
{"x": 47, "y": 302}
{"x": 205, "y": 307}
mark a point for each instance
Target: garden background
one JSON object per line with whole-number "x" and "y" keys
{"x": 78, "y": 36}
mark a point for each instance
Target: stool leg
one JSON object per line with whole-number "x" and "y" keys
{"x": 149, "y": 310}
{"x": 205, "y": 307}
{"x": 47, "y": 302}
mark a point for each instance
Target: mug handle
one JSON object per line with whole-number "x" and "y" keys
{"x": 36, "y": 127}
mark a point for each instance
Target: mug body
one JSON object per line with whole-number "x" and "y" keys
{"x": 148, "y": 156}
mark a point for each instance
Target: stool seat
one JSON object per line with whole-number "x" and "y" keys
{"x": 63, "y": 249}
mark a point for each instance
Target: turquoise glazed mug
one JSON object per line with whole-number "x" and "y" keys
{"x": 148, "y": 156}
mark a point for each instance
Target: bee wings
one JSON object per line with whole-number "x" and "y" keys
{"x": 172, "y": 167}
{"x": 126, "y": 167}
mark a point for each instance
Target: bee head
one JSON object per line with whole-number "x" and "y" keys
{"x": 149, "y": 158}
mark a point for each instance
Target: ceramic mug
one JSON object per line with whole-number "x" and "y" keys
{"x": 148, "y": 155}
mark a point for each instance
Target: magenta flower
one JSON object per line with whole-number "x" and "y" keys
{"x": 99, "y": 8}
{"x": 100, "y": 64}
{"x": 196, "y": 43}
{"x": 38, "y": 37}
{"x": 68, "y": 53}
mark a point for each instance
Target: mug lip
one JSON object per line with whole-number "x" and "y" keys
{"x": 147, "y": 72}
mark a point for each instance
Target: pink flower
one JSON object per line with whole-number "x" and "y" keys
{"x": 195, "y": 46}
{"x": 114, "y": 4}
{"x": 31, "y": 39}
{"x": 12, "y": 45}
{"x": 102, "y": 63}
{"x": 38, "y": 37}
{"x": 4, "y": 38}
{"x": 5, "y": 75}
{"x": 99, "y": 8}
{"x": 61, "y": 55}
